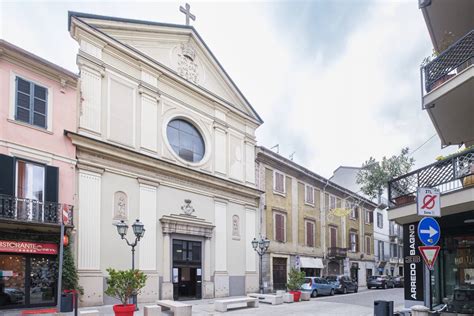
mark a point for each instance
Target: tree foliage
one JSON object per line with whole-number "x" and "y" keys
{"x": 374, "y": 176}
{"x": 123, "y": 284}
{"x": 295, "y": 279}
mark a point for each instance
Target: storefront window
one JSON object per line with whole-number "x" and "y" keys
{"x": 453, "y": 278}
{"x": 12, "y": 281}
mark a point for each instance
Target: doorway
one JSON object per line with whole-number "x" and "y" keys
{"x": 279, "y": 274}
{"x": 187, "y": 271}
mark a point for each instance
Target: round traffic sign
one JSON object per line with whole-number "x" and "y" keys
{"x": 429, "y": 231}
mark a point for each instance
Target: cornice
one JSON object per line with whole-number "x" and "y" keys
{"x": 160, "y": 167}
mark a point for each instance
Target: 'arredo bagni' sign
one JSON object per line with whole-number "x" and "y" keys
{"x": 413, "y": 264}
{"x": 28, "y": 247}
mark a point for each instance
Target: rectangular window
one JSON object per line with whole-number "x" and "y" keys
{"x": 310, "y": 234}
{"x": 353, "y": 242}
{"x": 309, "y": 194}
{"x": 369, "y": 217}
{"x": 381, "y": 250}
{"x": 354, "y": 212}
{"x": 333, "y": 236}
{"x": 30, "y": 185}
{"x": 280, "y": 227}
{"x": 332, "y": 204}
{"x": 279, "y": 182}
{"x": 379, "y": 220}
{"x": 31, "y": 102}
{"x": 367, "y": 245}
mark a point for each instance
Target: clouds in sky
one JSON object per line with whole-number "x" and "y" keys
{"x": 335, "y": 81}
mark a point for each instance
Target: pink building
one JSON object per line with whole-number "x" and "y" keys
{"x": 38, "y": 102}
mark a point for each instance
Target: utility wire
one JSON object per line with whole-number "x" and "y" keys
{"x": 414, "y": 151}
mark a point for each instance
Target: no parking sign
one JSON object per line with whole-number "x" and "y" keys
{"x": 428, "y": 202}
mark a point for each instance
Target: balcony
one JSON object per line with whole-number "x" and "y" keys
{"x": 453, "y": 177}
{"x": 447, "y": 91}
{"x": 337, "y": 253}
{"x": 20, "y": 210}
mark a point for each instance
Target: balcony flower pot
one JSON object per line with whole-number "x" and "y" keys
{"x": 468, "y": 180}
{"x": 123, "y": 285}
{"x": 405, "y": 199}
{"x": 124, "y": 310}
{"x": 440, "y": 81}
{"x": 296, "y": 295}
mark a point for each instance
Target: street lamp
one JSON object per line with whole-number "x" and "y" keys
{"x": 260, "y": 246}
{"x": 139, "y": 232}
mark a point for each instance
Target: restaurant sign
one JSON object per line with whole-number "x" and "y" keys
{"x": 28, "y": 247}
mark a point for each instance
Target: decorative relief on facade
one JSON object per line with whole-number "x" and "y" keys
{"x": 235, "y": 226}
{"x": 120, "y": 205}
{"x": 187, "y": 66}
{"x": 187, "y": 208}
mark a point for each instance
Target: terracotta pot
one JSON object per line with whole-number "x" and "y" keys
{"x": 296, "y": 295}
{"x": 124, "y": 310}
{"x": 406, "y": 199}
{"x": 468, "y": 181}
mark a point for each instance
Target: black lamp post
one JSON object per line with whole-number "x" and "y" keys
{"x": 139, "y": 231}
{"x": 261, "y": 247}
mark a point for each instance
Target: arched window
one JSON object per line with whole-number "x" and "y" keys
{"x": 185, "y": 140}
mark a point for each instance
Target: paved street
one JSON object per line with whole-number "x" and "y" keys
{"x": 357, "y": 304}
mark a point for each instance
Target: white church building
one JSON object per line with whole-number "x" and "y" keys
{"x": 164, "y": 136}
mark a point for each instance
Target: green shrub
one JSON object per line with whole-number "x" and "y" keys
{"x": 124, "y": 284}
{"x": 295, "y": 279}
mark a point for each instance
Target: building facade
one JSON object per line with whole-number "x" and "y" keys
{"x": 37, "y": 184}
{"x": 388, "y": 235}
{"x": 312, "y": 223}
{"x": 166, "y": 137}
{"x": 447, "y": 97}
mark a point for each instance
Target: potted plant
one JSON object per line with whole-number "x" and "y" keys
{"x": 374, "y": 176}
{"x": 295, "y": 281}
{"x": 123, "y": 285}
{"x": 466, "y": 166}
{"x": 70, "y": 279}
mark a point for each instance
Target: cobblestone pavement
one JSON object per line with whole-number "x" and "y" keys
{"x": 353, "y": 304}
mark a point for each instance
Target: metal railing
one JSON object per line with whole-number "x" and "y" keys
{"x": 449, "y": 63}
{"x": 337, "y": 252}
{"x": 29, "y": 210}
{"x": 446, "y": 175}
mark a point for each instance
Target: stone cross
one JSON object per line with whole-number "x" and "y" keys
{"x": 188, "y": 13}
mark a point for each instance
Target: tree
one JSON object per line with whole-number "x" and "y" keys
{"x": 374, "y": 176}
{"x": 70, "y": 279}
{"x": 295, "y": 279}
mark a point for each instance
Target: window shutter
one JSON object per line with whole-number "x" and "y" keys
{"x": 309, "y": 234}
{"x": 356, "y": 212}
{"x": 279, "y": 228}
{"x": 7, "y": 175}
{"x": 52, "y": 184}
{"x": 367, "y": 246}
{"x": 357, "y": 242}
{"x": 371, "y": 217}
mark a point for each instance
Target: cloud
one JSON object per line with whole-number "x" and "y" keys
{"x": 335, "y": 81}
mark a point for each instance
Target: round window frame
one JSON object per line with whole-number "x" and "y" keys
{"x": 197, "y": 126}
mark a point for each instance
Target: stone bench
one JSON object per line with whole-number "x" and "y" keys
{"x": 222, "y": 305}
{"x": 268, "y": 298}
{"x": 152, "y": 310}
{"x": 305, "y": 296}
{"x": 178, "y": 308}
{"x": 89, "y": 312}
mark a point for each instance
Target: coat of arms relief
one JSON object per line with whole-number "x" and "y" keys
{"x": 187, "y": 66}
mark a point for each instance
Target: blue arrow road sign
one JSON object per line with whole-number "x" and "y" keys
{"x": 429, "y": 231}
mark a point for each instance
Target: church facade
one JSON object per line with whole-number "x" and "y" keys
{"x": 166, "y": 137}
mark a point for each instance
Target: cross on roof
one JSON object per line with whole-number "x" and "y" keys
{"x": 188, "y": 13}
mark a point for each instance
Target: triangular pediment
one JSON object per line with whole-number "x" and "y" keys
{"x": 178, "y": 48}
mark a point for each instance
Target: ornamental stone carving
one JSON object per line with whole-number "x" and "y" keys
{"x": 120, "y": 205}
{"x": 235, "y": 226}
{"x": 187, "y": 67}
{"x": 187, "y": 208}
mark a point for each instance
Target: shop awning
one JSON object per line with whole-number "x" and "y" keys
{"x": 307, "y": 262}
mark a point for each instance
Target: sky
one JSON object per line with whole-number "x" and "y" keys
{"x": 335, "y": 81}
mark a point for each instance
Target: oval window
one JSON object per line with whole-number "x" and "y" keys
{"x": 185, "y": 140}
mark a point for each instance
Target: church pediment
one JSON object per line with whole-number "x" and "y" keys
{"x": 186, "y": 225}
{"x": 178, "y": 48}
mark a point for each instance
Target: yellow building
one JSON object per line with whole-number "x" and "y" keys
{"x": 312, "y": 223}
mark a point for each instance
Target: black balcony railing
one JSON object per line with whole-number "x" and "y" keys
{"x": 450, "y": 62}
{"x": 28, "y": 210}
{"x": 336, "y": 252}
{"x": 450, "y": 174}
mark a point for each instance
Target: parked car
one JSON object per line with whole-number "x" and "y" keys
{"x": 318, "y": 286}
{"x": 343, "y": 283}
{"x": 398, "y": 281}
{"x": 380, "y": 281}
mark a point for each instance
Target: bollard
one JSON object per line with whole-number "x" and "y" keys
{"x": 383, "y": 308}
{"x": 90, "y": 312}
{"x": 420, "y": 310}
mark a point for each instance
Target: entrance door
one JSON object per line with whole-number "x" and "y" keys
{"x": 279, "y": 274}
{"x": 187, "y": 272}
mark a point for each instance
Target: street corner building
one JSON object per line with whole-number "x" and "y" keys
{"x": 164, "y": 135}
{"x": 314, "y": 224}
{"x": 37, "y": 174}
